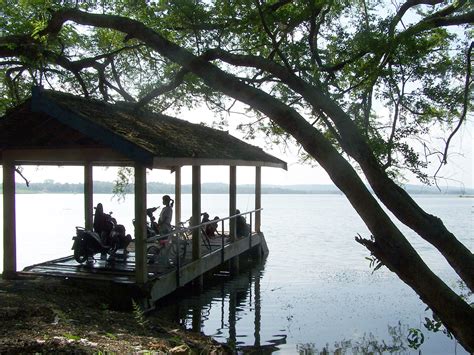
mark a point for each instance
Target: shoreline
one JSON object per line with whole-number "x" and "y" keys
{"x": 53, "y": 315}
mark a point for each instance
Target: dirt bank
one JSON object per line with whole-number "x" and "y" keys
{"x": 44, "y": 315}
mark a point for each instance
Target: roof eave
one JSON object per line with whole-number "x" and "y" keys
{"x": 160, "y": 163}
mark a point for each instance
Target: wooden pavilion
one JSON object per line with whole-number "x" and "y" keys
{"x": 53, "y": 128}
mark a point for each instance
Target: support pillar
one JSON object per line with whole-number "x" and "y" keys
{"x": 9, "y": 220}
{"x": 177, "y": 196}
{"x": 232, "y": 202}
{"x": 88, "y": 196}
{"x": 234, "y": 262}
{"x": 196, "y": 208}
{"x": 258, "y": 198}
{"x": 140, "y": 224}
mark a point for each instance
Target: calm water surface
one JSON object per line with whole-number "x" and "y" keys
{"x": 314, "y": 291}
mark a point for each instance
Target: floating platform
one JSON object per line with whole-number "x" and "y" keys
{"x": 118, "y": 273}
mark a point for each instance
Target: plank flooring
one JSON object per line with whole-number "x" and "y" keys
{"x": 118, "y": 268}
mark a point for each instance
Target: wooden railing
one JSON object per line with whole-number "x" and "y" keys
{"x": 188, "y": 230}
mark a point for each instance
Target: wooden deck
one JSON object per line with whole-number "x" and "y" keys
{"x": 163, "y": 278}
{"x": 120, "y": 268}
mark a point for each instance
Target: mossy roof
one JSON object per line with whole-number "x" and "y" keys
{"x": 56, "y": 120}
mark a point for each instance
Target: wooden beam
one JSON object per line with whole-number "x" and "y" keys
{"x": 232, "y": 201}
{"x": 258, "y": 197}
{"x": 88, "y": 196}
{"x": 140, "y": 224}
{"x": 73, "y": 156}
{"x": 9, "y": 220}
{"x": 177, "y": 195}
{"x": 196, "y": 219}
{"x": 171, "y": 161}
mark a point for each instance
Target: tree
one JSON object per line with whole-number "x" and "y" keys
{"x": 315, "y": 72}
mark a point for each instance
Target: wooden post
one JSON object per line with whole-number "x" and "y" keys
{"x": 88, "y": 196}
{"x": 9, "y": 220}
{"x": 258, "y": 308}
{"x": 258, "y": 198}
{"x": 234, "y": 262}
{"x": 196, "y": 197}
{"x": 232, "y": 340}
{"x": 232, "y": 201}
{"x": 177, "y": 196}
{"x": 196, "y": 319}
{"x": 140, "y": 224}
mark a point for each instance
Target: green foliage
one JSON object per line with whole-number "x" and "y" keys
{"x": 353, "y": 51}
{"x": 139, "y": 315}
{"x": 122, "y": 182}
{"x": 358, "y": 53}
{"x": 435, "y": 325}
{"x": 71, "y": 336}
{"x": 415, "y": 338}
{"x": 111, "y": 336}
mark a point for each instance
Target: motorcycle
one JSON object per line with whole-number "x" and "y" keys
{"x": 152, "y": 226}
{"x": 106, "y": 238}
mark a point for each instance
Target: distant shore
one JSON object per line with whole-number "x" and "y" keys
{"x": 105, "y": 187}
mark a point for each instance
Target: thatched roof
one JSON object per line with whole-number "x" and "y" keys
{"x": 57, "y": 121}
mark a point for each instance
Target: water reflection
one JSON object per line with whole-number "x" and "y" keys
{"x": 221, "y": 308}
{"x": 230, "y": 310}
{"x": 368, "y": 344}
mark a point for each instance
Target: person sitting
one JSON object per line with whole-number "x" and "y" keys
{"x": 123, "y": 240}
{"x": 211, "y": 229}
{"x": 103, "y": 222}
{"x": 205, "y": 217}
{"x": 242, "y": 228}
{"x": 164, "y": 222}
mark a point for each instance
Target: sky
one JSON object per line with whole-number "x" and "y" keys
{"x": 458, "y": 172}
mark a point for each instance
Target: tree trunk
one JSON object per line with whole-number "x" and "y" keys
{"x": 397, "y": 200}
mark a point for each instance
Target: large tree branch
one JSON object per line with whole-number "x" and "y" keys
{"x": 404, "y": 8}
{"x": 164, "y": 88}
{"x": 119, "y": 87}
{"x": 275, "y": 43}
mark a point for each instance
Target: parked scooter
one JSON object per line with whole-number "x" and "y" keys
{"x": 106, "y": 238}
{"x": 152, "y": 226}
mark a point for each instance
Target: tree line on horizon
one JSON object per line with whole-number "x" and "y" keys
{"x": 107, "y": 187}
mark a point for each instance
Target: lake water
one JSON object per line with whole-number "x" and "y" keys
{"x": 314, "y": 291}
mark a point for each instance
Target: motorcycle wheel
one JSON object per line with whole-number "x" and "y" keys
{"x": 153, "y": 253}
{"x": 113, "y": 248}
{"x": 80, "y": 254}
